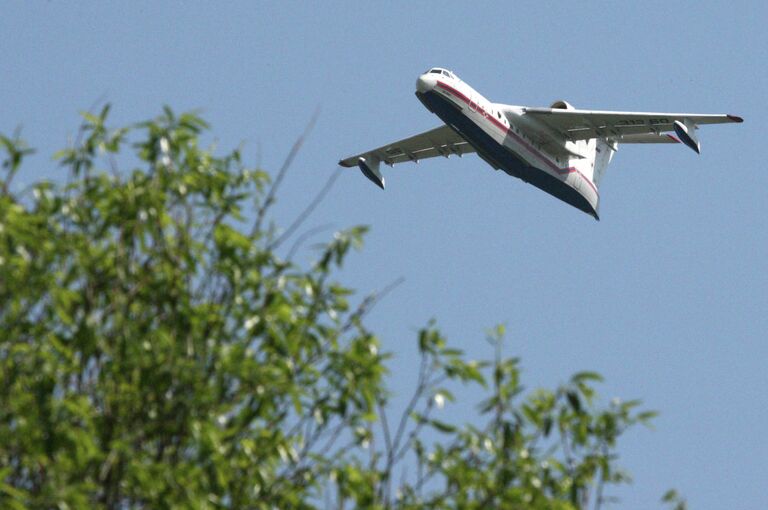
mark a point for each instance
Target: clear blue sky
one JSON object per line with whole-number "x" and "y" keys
{"x": 666, "y": 296}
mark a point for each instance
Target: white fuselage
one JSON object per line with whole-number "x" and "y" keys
{"x": 516, "y": 133}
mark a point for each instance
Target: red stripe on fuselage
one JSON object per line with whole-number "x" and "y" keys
{"x": 508, "y": 131}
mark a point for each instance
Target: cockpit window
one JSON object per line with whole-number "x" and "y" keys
{"x": 444, "y": 72}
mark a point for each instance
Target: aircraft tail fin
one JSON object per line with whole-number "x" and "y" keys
{"x": 594, "y": 156}
{"x": 606, "y": 147}
{"x": 604, "y": 151}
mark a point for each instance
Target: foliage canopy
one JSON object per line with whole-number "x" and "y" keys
{"x": 157, "y": 351}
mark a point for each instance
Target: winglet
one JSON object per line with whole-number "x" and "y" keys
{"x": 735, "y": 118}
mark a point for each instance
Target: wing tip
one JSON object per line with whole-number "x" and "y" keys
{"x": 735, "y": 118}
{"x": 345, "y": 163}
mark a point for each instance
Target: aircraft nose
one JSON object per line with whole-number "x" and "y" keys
{"x": 425, "y": 83}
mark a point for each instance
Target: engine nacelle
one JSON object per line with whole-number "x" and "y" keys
{"x": 562, "y": 105}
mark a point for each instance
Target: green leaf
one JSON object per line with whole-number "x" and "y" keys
{"x": 647, "y": 416}
{"x": 586, "y": 376}
{"x": 574, "y": 401}
{"x": 547, "y": 425}
{"x": 669, "y": 496}
{"x": 443, "y": 427}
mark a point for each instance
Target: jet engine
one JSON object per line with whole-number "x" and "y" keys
{"x": 562, "y": 105}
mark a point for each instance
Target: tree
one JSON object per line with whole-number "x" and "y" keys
{"x": 157, "y": 351}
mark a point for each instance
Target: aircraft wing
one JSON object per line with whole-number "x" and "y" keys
{"x": 441, "y": 141}
{"x": 586, "y": 124}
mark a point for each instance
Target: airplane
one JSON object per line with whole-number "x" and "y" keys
{"x": 561, "y": 150}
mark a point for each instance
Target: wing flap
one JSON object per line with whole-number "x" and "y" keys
{"x": 649, "y": 138}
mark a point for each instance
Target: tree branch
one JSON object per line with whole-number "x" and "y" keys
{"x": 270, "y": 198}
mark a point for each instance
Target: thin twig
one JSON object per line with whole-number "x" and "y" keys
{"x": 414, "y": 400}
{"x": 303, "y": 237}
{"x": 385, "y": 427}
{"x": 414, "y": 433}
{"x": 308, "y": 210}
{"x": 369, "y": 302}
{"x": 385, "y": 489}
{"x": 600, "y": 481}
{"x": 270, "y": 198}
